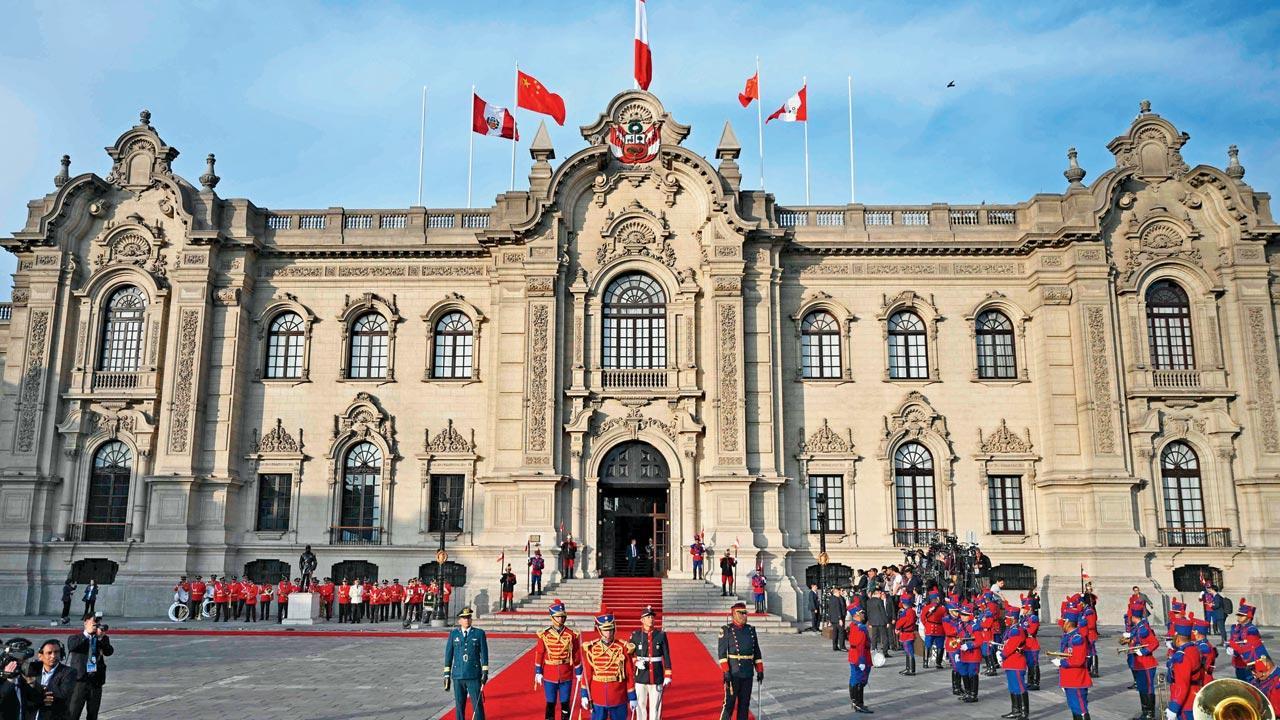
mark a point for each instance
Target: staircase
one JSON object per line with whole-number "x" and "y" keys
{"x": 581, "y": 599}
{"x": 627, "y": 597}
{"x": 696, "y": 606}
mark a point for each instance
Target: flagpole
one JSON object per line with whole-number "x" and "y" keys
{"x": 471, "y": 143}
{"x": 515, "y": 131}
{"x": 853, "y": 176}
{"x": 805, "y": 84}
{"x": 422, "y": 134}
{"x": 760, "y": 122}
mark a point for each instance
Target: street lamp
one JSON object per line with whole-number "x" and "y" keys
{"x": 821, "y": 501}
{"x": 441, "y": 557}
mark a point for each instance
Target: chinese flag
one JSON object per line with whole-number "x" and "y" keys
{"x": 533, "y": 95}
{"x": 751, "y": 91}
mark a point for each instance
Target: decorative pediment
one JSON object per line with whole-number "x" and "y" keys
{"x": 915, "y": 419}
{"x": 131, "y": 241}
{"x": 826, "y": 441}
{"x": 634, "y": 422}
{"x": 636, "y": 231}
{"x": 639, "y": 106}
{"x": 450, "y": 441}
{"x": 353, "y": 306}
{"x": 1004, "y": 442}
{"x": 1152, "y": 147}
{"x": 139, "y": 157}
{"x": 362, "y": 419}
{"x": 277, "y": 441}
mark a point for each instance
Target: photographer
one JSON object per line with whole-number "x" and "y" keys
{"x": 53, "y": 683}
{"x": 86, "y": 654}
{"x": 16, "y": 694}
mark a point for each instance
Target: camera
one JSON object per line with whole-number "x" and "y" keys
{"x": 18, "y": 650}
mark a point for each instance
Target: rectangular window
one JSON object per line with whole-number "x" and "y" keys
{"x": 275, "y": 492}
{"x": 449, "y": 488}
{"x": 1006, "y": 504}
{"x": 833, "y": 486}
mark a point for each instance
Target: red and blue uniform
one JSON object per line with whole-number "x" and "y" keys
{"x": 557, "y": 661}
{"x": 932, "y": 615}
{"x": 1073, "y": 670}
{"x": 1013, "y": 659}
{"x": 1242, "y": 641}
{"x": 1270, "y": 687}
{"x": 859, "y": 654}
{"x": 1184, "y": 672}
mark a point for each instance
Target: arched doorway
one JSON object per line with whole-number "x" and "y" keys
{"x": 633, "y": 505}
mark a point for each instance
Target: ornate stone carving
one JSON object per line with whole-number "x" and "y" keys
{"x": 1260, "y": 337}
{"x": 195, "y": 258}
{"x": 841, "y": 269}
{"x": 277, "y": 440}
{"x": 21, "y": 296}
{"x": 513, "y": 258}
{"x": 1052, "y": 261}
{"x": 728, "y": 380}
{"x": 987, "y": 269}
{"x": 728, "y": 284}
{"x": 826, "y": 440}
{"x": 636, "y": 236}
{"x": 540, "y": 322}
{"x": 362, "y": 419}
{"x": 902, "y": 269}
{"x": 727, "y": 251}
{"x": 1100, "y": 379}
{"x": 32, "y": 380}
{"x": 321, "y": 271}
{"x": 1162, "y": 235}
{"x": 1004, "y": 442}
{"x": 635, "y": 421}
{"x": 914, "y": 419}
{"x": 541, "y": 285}
{"x": 227, "y": 296}
{"x": 449, "y": 441}
{"x": 184, "y": 385}
{"x": 1056, "y": 294}
{"x": 297, "y": 271}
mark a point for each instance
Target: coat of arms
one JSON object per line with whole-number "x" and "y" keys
{"x": 635, "y": 143}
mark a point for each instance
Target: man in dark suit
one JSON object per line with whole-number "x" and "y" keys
{"x": 86, "y": 654}
{"x": 57, "y": 683}
{"x": 815, "y": 606}
{"x": 878, "y": 621}
{"x": 16, "y": 692}
{"x": 835, "y": 615}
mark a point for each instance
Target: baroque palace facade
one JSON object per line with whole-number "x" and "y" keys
{"x": 196, "y": 385}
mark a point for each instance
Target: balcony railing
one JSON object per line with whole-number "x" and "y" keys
{"x": 1175, "y": 379}
{"x": 98, "y": 532}
{"x": 1195, "y": 537}
{"x": 6, "y": 311}
{"x": 910, "y": 537}
{"x": 634, "y": 379}
{"x": 355, "y": 535}
{"x": 108, "y": 380}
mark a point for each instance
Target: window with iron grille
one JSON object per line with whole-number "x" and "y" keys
{"x": 835, "y": 575}
{"x": 108, "y": 502}
{"x": 1016, "y": 577}
{"x": 913, "y": 487}
{"x": 908, "y": 348}
{"x": 1005, "y": 496}
{"x": 820, "y": 345}
{"x": 833, "y": 486}
{"x": 360, "y": 513}
{"x": 449, "y": 489}
{"x": 121, "y": 349}
{"x": 285, "y": 339}
{"x": 266, "y": 572}
{"x": 368, "y": 347}
{"x": 354, "y": 570}
{"x": 454, "y": 340}
{"x": 996, "y": 360}
{"x": 1183, "y": 500}
{"x": 1169, "y": 327}
{"x": 101, "y": 570}
{"x": 275, "y": 493}
{"x": 454, "y": 573}
{"x": 1193, "y": 578}
{"x": 635, "y": 324}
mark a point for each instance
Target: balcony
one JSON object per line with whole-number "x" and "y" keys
{"x": 98, "y": 532}
{"x": 1195, "y": 537}
{"x": 633, "y": 379}
{"x": 355, "y": 535}
{"x": 1193, "y": 383}
{"x": 6, "y": 311}
{"x": 105, "y": 380}
{"x": 912, "y": 537}
{"x": 1167, "y": 379}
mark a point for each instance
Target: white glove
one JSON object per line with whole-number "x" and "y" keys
{"x": 1230, "y": 651}
{"x": 633, "y": 705}
{"x": 1126, "y": 636}
{"x": 1170, "y": 715}
{"x": 966, "y": 647}
{"x": 999, "y": 656}
{"x": 666, "y": 681}
{"x": 1168, "y": 644}
{"x": 586, "y": 704}
{"x": 537, "y": 679}
{"x": 862, "y": 667}
{"x": 1057, "y": 662}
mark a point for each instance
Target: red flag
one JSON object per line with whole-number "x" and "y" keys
{"x": 489, "y": 119}
{"x": 644, "y": 59}
{"x": 751, "y": 91}
{"x": 502, "y": 558}
{"x": 795, "y": 109}
{"x": 533, "y": 95}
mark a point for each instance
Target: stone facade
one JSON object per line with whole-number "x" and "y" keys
{"x": 1081, "y": 421}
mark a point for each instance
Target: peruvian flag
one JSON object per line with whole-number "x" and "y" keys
{"x": 489, "y": 119}
{"x": 751, "y": 91}
{"x": 795, "y": 109}
{"x": 644, "y": 60}
{"x": 533, "y": 95}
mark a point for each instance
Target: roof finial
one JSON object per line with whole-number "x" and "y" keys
{"x": 1144, "y": 107}
{"x": 1235, "y": 170}
{"x": 145, "y": 117}
{"x": 1074, "y": 173}
{"x": 209, "y": 180}
{"x": 64, "y": 174}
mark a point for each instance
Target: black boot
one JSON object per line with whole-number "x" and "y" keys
{"x": 862, "y": 701}
{"x": 853, "y": 696}
{"x": 973, "y": 691}
{"x": 1025, "y": 703}
{"x": 911, "y": 664}
{"x": 928, "y": 655}
{"x": 1094, "y": 670}
{"x": 566, "y": 709}
{"x": 1015, "y": 708}
{"x": 550, "y": 711}
{"x": 1149, "y": 706}
{"x": 1033, "y": 677}
{"x": 955, "y": 683}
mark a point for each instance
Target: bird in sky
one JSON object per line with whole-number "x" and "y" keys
{"x": 951, "y": 84}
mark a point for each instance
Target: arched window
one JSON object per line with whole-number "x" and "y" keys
{"x": 1169, "y": 327}
{"x": 285, "y": 340}
{"x": 122, "y": 331}
{"x": 996, "y": 359}
{"x": 453, "y": 343}
{"x": 360, "y": 515}
{"x": 635, "y": 323}
{"x": 108, "y": 505}
{"x": 913, "y": 488}
{"x": 820, "y": 345}
{"x": 1183, "y": 500}
{"x": 368, "y": 347}
{"x": 908, "y": 349}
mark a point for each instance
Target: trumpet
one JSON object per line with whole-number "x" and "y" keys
{"x": 1228, "y": 699}
{"x": 1055, "y": 653}
{"x": 1128, "y": 650}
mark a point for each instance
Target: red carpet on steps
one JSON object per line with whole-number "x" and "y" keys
{"x": 696, "y": 693}
{"x": 626, "y": 597}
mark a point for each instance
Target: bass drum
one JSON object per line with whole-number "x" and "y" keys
{"x": 877, "y": 659}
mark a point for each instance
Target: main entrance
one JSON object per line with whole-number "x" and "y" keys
{"x": 632, "y": 505}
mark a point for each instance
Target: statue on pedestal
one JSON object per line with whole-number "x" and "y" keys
{"x": 307, "y": 564}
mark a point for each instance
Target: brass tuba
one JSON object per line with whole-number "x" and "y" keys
{"x": 1231, "y": 699}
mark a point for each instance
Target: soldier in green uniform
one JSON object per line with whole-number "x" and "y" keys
{"x": 466, "y": 665}
{"x": 739, "y": 654}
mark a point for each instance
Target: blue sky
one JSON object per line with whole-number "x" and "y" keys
{"x": 317, "y": 104}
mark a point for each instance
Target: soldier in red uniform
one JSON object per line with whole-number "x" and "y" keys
{"x": 905, "y": 626}
{"x": 932, "y": 615}
{"x": 968, "y": 654}
{"x": 344, "y": 601}
{"x": 397, "y": 599}
{"x": 1143, "y": 644}
{"x": 859, "y": 659}
{"x": 1266, "y": 676}
{"x": 1073, "y": 664}
{"x": 696, "y": 552}
{"x": 1208, "y": 653}
{"x": 1013, "y": 661}
{"x": 264, "y": 601}
{"x": 557, "y": 662}
{"x": 283, "y": 590}
{"x": 950, "y": 633}
{"x": 221, "y": 599}
{"x": 197, "y": 599}
{"x": 250, "y": 592}
{"x": 1030, "y": 622}
{"x": 326, "y": 599}
{"x": 1242, "y": 640}
{"x": 608, "y": 688}
{"x": 1185, "y": 674}
{"x": 507, "y": 584}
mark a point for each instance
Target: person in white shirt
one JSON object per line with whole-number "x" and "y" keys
{"x": 357, "y": 598}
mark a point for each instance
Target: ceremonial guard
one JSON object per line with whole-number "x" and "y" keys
{"x": 1089, "y": 629}
{"x": 1013, "y": 660}
{"x": 697, "y": 551}
{"x": 344, "y": 601}
{"x": 931, "y": 616}
{"x": 507, "y": 583}
{"x": 249, "y": 592}
{"x": 1208, "y": 652}
{"x": 967, "y": 653}
{"x": 951, "y": 633}
{"x": 739, "y": 655}
{"x": 985, "y": 632}
{"x": 569, "y": 553}
{"x": 1266, "y": 676}
{"x": 905, "y": 627}
{"x": 608, "y": 688}
{"x": 653, "y": 667}
{"x": 1185, "y": 676}
{"x": 758, "y": 585}
{"x": 1072, "y": 661}
{"x": 859, "y": 659}
{"x": 536, "y": 565}
{"x": 466, "y": 666}
{"x": 727, "y": 563}
{"x": 1243, "y": 640}
{"x": 557, "y": 662}
{"x": 1143, "y": 644}
{"x": 1030, "y": 622}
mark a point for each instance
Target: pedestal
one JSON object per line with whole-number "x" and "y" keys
{"x": 304, "y": 609}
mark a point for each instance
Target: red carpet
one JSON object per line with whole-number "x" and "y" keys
{"x": 626, "y": 597}
{"x": 696, "y": 693}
